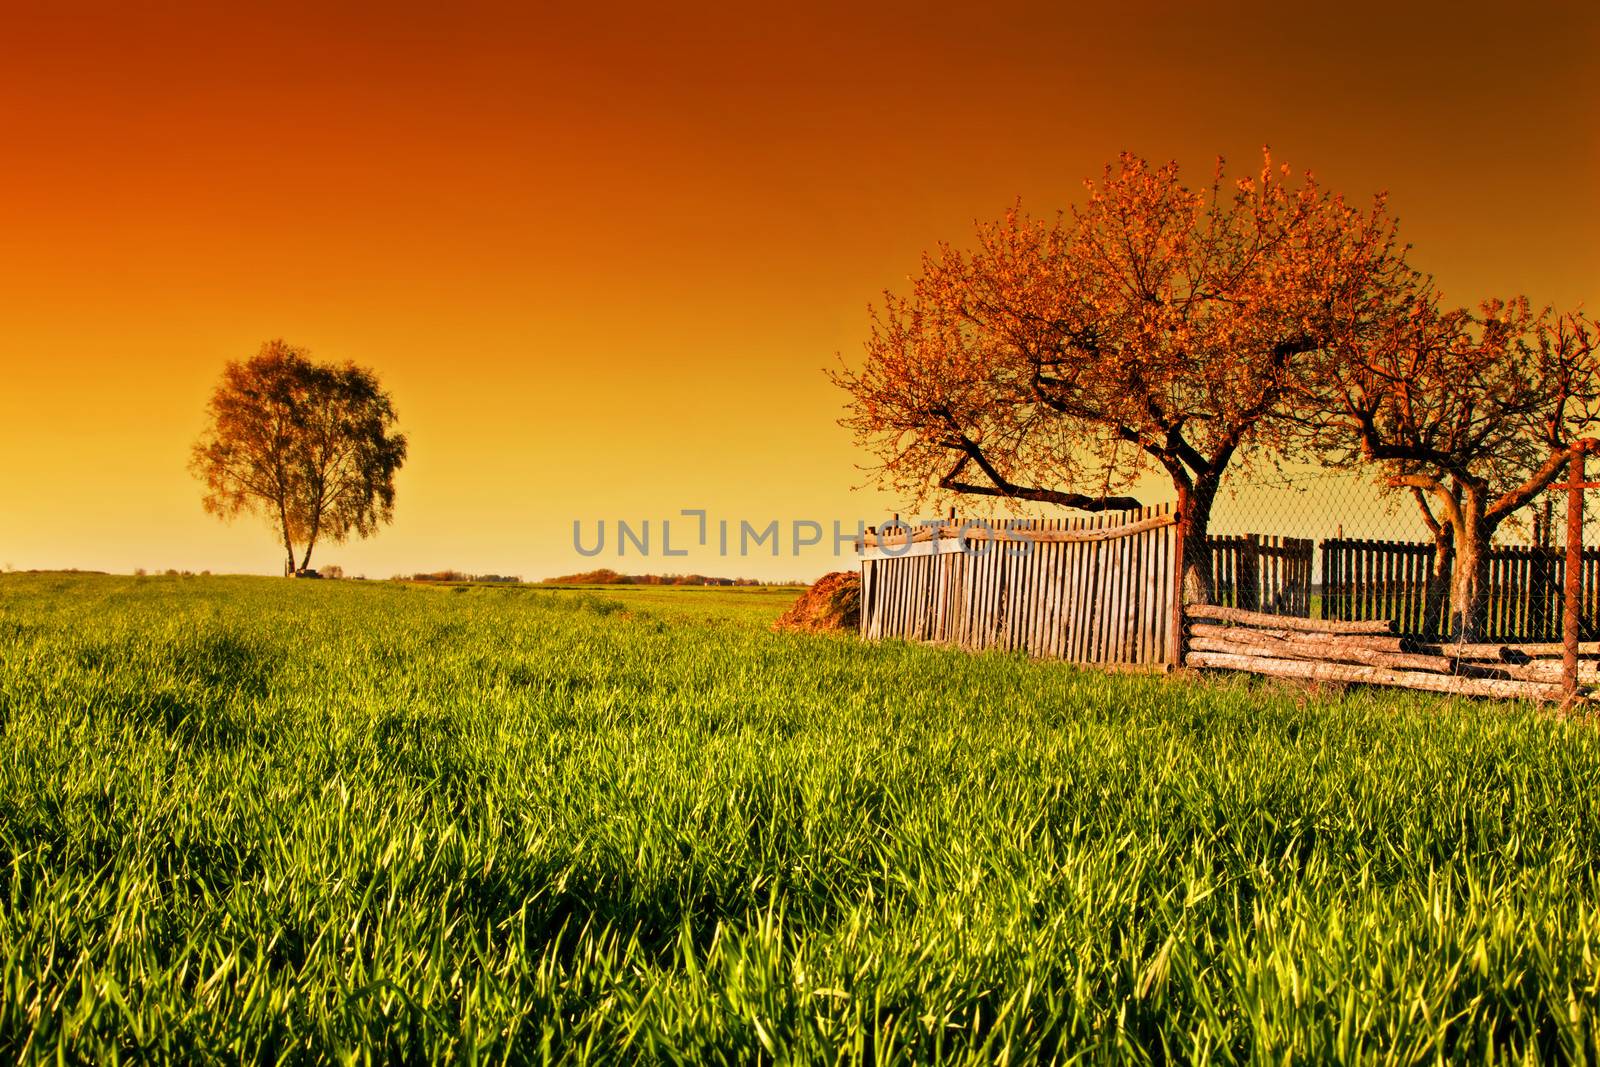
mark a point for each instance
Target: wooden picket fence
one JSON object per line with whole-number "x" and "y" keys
{"x": 1367, "y": 579}
{"x": 1525, "y": 593}
{"x": 1262, "y": 573}
{"x": 1097, "y": 589}
{"x": 1102, "y": 589}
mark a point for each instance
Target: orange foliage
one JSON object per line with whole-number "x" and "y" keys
{"x": 310, "y": 447}
{"x": 1474, "y": 412}
{"x": 1156, "y": 325}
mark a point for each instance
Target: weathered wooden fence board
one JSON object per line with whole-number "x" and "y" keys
{"x": 1100, "y": 590}
{"x": 1262, "y": 573}
{"x": 1095, "y": 589}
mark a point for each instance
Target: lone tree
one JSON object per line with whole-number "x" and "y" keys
{"x": 1155, "y": 326}
{"x": 309, "y": 446}
{"x": 1472, "y": 412}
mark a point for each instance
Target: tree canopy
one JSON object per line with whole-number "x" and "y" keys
{"x": 1473, "y": 411}
{"x": 310, "y": 447}
{"x": 1154, "y": 326}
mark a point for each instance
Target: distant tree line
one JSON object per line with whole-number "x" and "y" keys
{"x": 606, "y": 576}
{"x": 460, "y": 576}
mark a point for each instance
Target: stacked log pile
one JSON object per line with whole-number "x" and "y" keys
{"x": 1370, "y": 652}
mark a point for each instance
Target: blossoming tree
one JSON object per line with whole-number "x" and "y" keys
{"x": 1473, "y": 412}
{"x": 1155, "y": 326}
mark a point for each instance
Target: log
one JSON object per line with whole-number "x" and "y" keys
{"x": 1247, "y": 641}
{"x": 1548, "y": 670}
{"x": 1554, "y": 648}
{"x": 1335, "y": 650}
{"x": 1532, "y": 650}
{"x": 1305, "y": 670}
{"x": 1327, "y": 652}
{"x": 1525, "y": 653}
{"x": 1495, "y": 653}
{"x": 1288, "y": 622}
{"x": 1375, "y": 642}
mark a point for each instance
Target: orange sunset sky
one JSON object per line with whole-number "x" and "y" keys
{"x": 601, "y": 255}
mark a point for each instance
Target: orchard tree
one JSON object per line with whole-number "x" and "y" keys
{"x": 1475, "y": 413}
{"x": 1156, "y": 326}
{"x": 311, "y": 447}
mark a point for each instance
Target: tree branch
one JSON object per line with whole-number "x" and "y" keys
{"x": 1540, "y": 480}
{"x": 1452, "y": 506}
{"x": 1001, "y": 487}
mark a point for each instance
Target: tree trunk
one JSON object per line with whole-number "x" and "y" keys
{"x": 1469, "y": 584}
{"x": 1194, "y": 515}
{"x": 1437, "y": 594}
{"x": 288, "y": 542}
{"x": 311, "y": 538}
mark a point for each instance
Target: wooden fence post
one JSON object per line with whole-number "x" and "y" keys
{"x": 1180, "y": 541}
{"x": 1573, "y": 591}
{"x": 1247, "y": 582}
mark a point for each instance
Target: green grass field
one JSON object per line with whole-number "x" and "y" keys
{"x": 254, "y": 820}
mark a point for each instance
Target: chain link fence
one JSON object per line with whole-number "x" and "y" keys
{"x": 1335, "y": 545}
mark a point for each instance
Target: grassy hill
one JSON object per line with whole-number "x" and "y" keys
{"x": 250, "y": 818}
